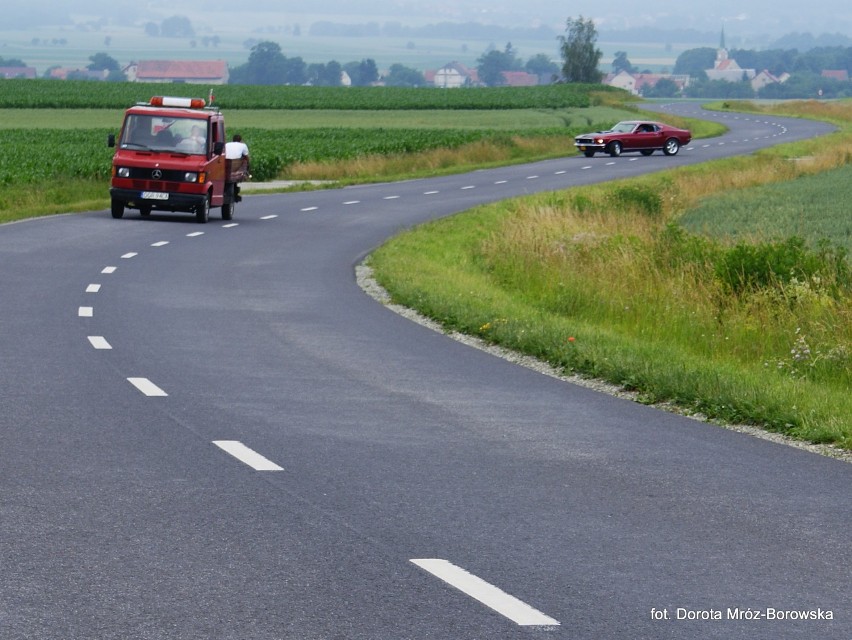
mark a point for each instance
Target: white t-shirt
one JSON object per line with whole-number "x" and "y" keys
{"x": 236, "y": 150}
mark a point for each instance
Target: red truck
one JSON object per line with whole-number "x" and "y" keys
{"x": 170, "y": 156}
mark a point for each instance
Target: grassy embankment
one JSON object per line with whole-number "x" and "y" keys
{"x": 690, "y": 287}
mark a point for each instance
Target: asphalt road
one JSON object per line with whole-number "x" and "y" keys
{"x": 210, "y": 432}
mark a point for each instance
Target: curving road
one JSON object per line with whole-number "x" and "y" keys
{"x": 210, "y": 432}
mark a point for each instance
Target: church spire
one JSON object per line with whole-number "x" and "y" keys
{"x": 722, "y": 40}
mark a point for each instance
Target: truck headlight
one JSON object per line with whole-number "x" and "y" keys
{"x": 123, "y": 172}
{"x": 190, "y": 176}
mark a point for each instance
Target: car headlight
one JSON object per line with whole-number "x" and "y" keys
{"x": 123, "y": 172}
{"x": 190, "y": 176}
{"x": 598, "y": 140}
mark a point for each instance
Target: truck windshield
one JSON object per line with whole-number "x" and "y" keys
{"x": 160, "y": 133}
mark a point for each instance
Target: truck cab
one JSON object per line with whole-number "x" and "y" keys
{"x": 170, "y": 156}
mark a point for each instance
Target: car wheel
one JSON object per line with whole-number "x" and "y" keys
{"x": 671, "y": 147}
{"x": 202, "y": 211}
{"x": 117, "y": 208}
{"x": 615, "y": 148}
{"x": 646, "y": 152}
{"x": 589, "y": 154}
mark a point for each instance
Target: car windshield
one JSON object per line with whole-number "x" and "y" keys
{"x": 159, "y": 133}
{"x": 624, "y": 127}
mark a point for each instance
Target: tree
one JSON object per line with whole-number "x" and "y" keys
{"x": 492, "y": 64}
{"x": 664, "y": 88}
{"x": 542, "y": 66}
{"x": 363, "y": 73}
{"x": 325, "y": 75}
{"x": 402, "y": 76}
{"x": 266, "y": 65}
{"x": 580, "y": 55}
{"x": 103, "y": 62}
{"x": 621, "y": 63}
{"x": 177, "y": 27}
{"x": 695, "y": 62}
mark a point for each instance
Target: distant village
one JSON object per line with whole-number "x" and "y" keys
{"x": 452, "y": 75}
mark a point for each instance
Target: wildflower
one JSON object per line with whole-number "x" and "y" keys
{"x": 571, "y": 339}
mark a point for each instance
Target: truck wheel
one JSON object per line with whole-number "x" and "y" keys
{"x": 202, "y": 211}
{"x": 117, "y": 208}
{"x": 228, "y": 205}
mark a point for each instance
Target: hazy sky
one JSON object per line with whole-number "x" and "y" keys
{"x": 772, "y": 17}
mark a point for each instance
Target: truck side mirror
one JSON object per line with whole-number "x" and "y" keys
{"x": 111, "y": 140}
{"x": 218, "y": 148}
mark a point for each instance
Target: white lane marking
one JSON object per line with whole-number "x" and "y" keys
{"x": 242, "y": 453}
{"x": 194, "y": 234}
{"x": 352, "y": 202}
{"x": 108, "y": 270}
{"x": 93, "y": 288}
{"x": 588, "y": 166}
{"x": 610, "y": 164}
{"x": 390, "y": 198}
{"x": 147, "y": 387}
{"x": 99, "y": 342}
{"x": 430, "y": 193}
{"x": 127, "y": 256}
{"x": 269, "y": 217}
{"x": 86, "y": 312}
{"x": 531, "y": 177}
{"x": 501, "y": 181}
{"x": 470, "y": 186}
{"x": 161, "y": 243}
{"x": 559, "y": 173}
{"x": 233, "y": 224}
{"x": 309, "y": 209}
{"x": 509, "y": 606}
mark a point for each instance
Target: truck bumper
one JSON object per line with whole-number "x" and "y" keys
{"x": 135, "y": 199}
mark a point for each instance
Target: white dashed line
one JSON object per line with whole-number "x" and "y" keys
{"x": 609, "y": 164}
{"x": 501, "y": 182}
{"x": 231, "y": 225}
{"x": 242, "y": 453}
{"x": 93, "y": 288}
{"x": 269, "y": 217}
{"x": 109, "y": 270}
{"x": 86, "y": 312}
{"x": 390, "y": 198}
{"x": 161, "y": 243}
{"x": 99, "y": 342}
{"x": 352, "y": 202}
{"x": 470, "y": 186}
{"x": 194, "y": 234}
{"x": 509, "y": 606}
{"x": 559, "y": 173}
{"x": 430, "y": 193}
{"x": 127, "y": 256}
{"x": 531, "y": 177}
{"x": 588, "y": 166}
{"x": 147, "y": 387}
{"x": 309, "y": 209}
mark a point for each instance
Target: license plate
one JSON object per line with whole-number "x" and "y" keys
{"x": 154, "y": 195}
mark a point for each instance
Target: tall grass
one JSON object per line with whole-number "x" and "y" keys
{"x": 603, "y": 281}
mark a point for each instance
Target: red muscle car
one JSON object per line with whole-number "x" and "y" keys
{"x": 634, "y": 135}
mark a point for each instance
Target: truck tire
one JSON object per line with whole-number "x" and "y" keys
{"x": 228, "y": 204}
{"x": 117, "y": 208}
{"x": 202, "y": 211}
